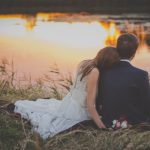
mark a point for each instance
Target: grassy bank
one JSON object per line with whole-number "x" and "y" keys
{"x": 16, "y": 134}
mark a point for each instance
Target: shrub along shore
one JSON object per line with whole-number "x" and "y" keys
{"x": 73, "y": 9}
{"x": 75, "y": 6}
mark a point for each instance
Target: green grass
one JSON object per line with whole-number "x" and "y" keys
{"x": 16, "y": 133}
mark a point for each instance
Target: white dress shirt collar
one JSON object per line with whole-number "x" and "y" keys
{"x": 127, "y": 60}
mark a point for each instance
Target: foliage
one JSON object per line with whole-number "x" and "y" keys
{"x": 100, "y": 6}
{"x": 53, "y": 84}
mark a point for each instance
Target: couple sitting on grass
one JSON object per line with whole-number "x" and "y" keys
{"x": 107, "y": 90}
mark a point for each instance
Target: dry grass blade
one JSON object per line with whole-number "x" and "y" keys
{"x": 60, "y": 137}
{"x": 67, "y": 87}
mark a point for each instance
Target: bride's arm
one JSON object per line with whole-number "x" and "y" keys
{"x": 91, "y": 97}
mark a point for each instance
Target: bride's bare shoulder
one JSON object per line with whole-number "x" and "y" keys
{"x": 93, "y": 77}
{"x": 94, "y": 72}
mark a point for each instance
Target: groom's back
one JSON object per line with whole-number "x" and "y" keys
{"x": 123, "y": 90}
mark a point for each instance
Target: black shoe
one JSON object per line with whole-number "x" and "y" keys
{"x": 10, "y": 108}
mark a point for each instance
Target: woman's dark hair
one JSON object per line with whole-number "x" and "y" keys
{"x": 127, "y": 45}
{"x": 104, "y": 59}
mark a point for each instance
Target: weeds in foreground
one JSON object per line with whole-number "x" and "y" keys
{"x": 59, "y": 83}
{"x": 16, "y": 134}
{"x": 54, "y": 84}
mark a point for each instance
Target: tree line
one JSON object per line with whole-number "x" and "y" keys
{"x": 101, "y": 4}
{"x": 125, "y": 3}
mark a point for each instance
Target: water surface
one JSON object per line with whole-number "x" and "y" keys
{"x": 36, "y": 42}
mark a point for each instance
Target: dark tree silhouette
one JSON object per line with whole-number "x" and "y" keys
{"x": 79, "y": 5}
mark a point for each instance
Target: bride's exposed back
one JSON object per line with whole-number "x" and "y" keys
{"x": 50, "y": 116}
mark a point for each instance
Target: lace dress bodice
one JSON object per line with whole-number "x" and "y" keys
{"x": 79, "y": 90}
{"x": 74, "y": 103}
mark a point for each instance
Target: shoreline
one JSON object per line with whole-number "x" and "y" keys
{"x": 104, "y": 16}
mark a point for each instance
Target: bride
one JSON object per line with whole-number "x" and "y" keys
{"x": 49, "y": 117}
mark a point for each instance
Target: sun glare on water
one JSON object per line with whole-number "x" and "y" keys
{"x": 37, "y": 41}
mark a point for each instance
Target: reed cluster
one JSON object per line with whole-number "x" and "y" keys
{"x": 53, "y": 84}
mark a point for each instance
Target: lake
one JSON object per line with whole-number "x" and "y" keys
{"x": 36, "y": 42}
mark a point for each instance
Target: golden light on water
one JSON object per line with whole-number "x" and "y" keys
{"x": 49, "y": 16}
{"x": 112, "y": 35}
{"x": 36, "y": 41}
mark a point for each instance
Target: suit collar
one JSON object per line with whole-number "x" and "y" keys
{"x": 125, "y": 63}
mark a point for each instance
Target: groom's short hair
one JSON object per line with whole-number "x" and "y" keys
{"x": 127, "y": 45}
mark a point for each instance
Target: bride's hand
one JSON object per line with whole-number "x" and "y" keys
{"x": 102, "y": 126}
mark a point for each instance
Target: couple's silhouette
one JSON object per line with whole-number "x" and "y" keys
{"x": 107, "y": 86}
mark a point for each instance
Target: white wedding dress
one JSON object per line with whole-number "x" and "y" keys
{"x": 50, "y": 116}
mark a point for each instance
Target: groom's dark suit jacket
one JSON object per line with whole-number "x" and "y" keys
{"x": 124, "y": 90}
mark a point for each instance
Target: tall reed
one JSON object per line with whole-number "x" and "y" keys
{"x": 53, "y": 84}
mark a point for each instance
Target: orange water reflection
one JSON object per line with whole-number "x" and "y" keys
{"x": 36, "y": 41}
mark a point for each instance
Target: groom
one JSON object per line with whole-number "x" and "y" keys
{"x": 124, "y": 90}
